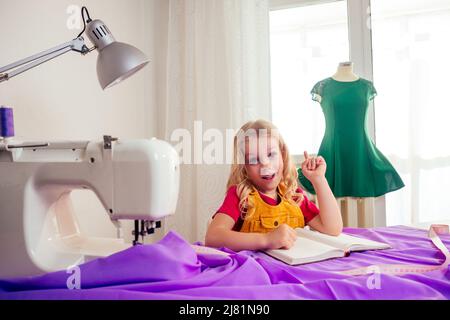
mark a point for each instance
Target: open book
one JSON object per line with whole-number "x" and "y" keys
{"x": 313, "y": 246}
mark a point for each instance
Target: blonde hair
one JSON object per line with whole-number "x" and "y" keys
{"x": 238, "y": 176}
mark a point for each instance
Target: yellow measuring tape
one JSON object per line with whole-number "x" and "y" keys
{"x": 401, "y": 269}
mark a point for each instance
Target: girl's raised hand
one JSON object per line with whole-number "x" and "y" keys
{"x": 313, "y": 168}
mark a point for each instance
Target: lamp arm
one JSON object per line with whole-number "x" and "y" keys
{"x": 77, "y": 45}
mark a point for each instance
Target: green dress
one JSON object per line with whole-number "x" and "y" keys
{"x": 355, "y": 167}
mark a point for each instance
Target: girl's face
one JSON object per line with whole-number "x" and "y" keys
{"x": 264, "y": 163}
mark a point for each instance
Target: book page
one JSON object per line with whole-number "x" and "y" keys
{"x": 306, "y": 250}
{"x": 343, "y": 241}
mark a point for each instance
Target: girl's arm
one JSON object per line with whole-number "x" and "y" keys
{"x": 220, "y": 234}
{"x": 329, "y": 220}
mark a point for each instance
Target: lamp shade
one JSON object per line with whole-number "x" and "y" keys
{"x": 116, "y": 60}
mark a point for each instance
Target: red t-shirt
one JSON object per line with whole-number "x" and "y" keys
{"x": 230, "y": 206}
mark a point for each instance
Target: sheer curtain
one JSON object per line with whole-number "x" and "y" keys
{"x": 216, "y": 60}
{"x": 411, "y": 68}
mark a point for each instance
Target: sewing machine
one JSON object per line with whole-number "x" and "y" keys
{"x": 134, "y": 180}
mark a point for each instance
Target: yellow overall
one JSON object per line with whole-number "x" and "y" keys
{"x": 265, "y": 217}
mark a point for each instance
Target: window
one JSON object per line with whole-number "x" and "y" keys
{"x": 411, "y": 51}
{"x": 307, "y": 43}
{"x": 410, "y": 46}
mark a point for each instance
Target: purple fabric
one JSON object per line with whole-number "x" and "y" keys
{"x": 170, "y": 269}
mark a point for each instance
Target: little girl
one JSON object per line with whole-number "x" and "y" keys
{"x": 263, "y": 203}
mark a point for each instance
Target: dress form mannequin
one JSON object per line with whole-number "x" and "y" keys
{"x": 356, "y": 169}
{"x": 345, "y": 73}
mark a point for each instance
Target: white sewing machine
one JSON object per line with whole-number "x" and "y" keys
{"x": 134, "y": 180}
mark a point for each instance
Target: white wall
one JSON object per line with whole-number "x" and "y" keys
{"x": 62, "y": 99}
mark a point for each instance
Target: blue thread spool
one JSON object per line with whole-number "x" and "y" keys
{"x": 6, "y": 122}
